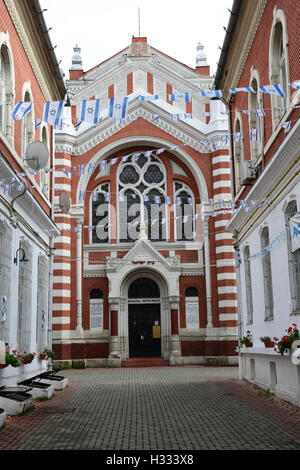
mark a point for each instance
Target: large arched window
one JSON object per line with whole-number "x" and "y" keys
{"x": 279, "y": 65}
{"x": 267, "y": 274}
{"x": 248, "y": 285}
{"x": 100, "y": 214}
{"x": 6, "y": 92}
{"x": 184, "y": 211}
{"x": 238, "y": 153}
{"x": 27, "y": 126}
{"x": 141, "y": 193}
{"x": 255, "y": 121}
{"x": 293, "y": 259}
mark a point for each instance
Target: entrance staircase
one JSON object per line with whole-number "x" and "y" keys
{"x": 145, "y": 362}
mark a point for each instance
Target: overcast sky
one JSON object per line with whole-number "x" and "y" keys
{"x": 104, "y": 27}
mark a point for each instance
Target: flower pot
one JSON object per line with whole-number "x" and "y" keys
{"x": 248, "y": 345}
{"x": 269, "y": 345}
{"x": 43, "y": 357}
{"x": 3, "y": 365}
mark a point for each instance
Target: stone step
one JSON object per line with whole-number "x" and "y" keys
{"x": 145, "y": 362}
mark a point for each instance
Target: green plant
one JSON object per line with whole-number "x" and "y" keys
{"x": 12, "y": 358}
{"x": 286, "y": 341}
{"x": 267, "y": 340}
{"x": 27, "y": 358}
{"x": 49, "y": 353}
{"x": 246, "y": 340}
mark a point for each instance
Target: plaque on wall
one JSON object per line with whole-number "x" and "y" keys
{"x": 96, "y": 316}
{"x": 156, "y": 331}
{"x": 192, "y": 314}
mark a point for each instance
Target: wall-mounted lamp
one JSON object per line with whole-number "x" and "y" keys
{"x": 23, "y": 258}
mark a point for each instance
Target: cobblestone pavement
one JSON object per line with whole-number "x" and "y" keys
{"x": 172, "y": 408}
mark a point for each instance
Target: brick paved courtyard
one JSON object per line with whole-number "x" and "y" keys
{"x": 173, "y": 408}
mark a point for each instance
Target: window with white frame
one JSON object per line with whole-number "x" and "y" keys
{"x": 255, "y": 121}
{"x": 42, "y": 302}
{"x": 279, "y": 67}
{"x": 238, "y": 153}
{"x": 5, "y": 92}
{"x": 142, "y": 190}
{"x": 293, "y": 259}
{"x": 5, "y": 278}
{"x": 100, "y": 214}
{"x": 25, "y": 299}
{"x": 27, "y": 126}
{"x": 96, "y": 309}
{"x": 184, "y": 212}
{"x": 248, "y": 285}
{"x": 267, "y": 274}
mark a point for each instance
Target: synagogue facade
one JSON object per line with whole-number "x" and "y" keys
{"x": 143, "y": 265}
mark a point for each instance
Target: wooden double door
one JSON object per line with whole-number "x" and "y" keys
{"x": 144, "y": 330}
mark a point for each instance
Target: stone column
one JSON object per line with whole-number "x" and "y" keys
{"x": 175, "y": 352}
{"x": 114, "y": 344}
{"x": 207, "y": 274}
{"x": 79, "y": 221}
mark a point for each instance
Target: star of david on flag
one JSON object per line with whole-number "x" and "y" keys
{"x": 248, "y": 89}
{"x": 211, "y": 93}
{"x": 21, "y": 109}
{"x": 180, "y": 96}
{"x": 149, "y": 97}
{"x": 272, "y": 90}
{"x": 53, "y": 112}
{"x": 90, "y": 110}
{"x": 118, "y": 108}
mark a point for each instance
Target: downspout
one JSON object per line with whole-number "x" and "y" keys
{"x": 51, "y": 242}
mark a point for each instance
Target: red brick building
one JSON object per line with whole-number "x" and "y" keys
{"x": 137, "y": 273}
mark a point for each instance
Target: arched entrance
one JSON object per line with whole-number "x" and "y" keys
{"x": 144, "y": 318}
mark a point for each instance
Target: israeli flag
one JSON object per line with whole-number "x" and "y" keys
{"x": 102, "y": 165}
{"x": 37, "y": 123}
{"x": 125, "y": 158}
{"x": 272, "y": 90}
{"x": 157, "y": 199}
{"x": 146, "y": 198}
{"x": 180, "y": 96}
{"x": 113, "y": 161}
{"x": 90, "y": 111}
{"x": 53, "y": 112}
{"x": 118, "y": 108}
{"x": 295, "y": 85}
{"x": 168, "y": 200}
{"x": 148, "y": 153}
{"x": 159, "y": 151}
{"x": 245, "y": 111}
{"x": 253, "y": 135}
{"x": 211, "y": 93}
{"x": 238, "y": 137}
{"x": 260, "y": 112}
{"x": 175, "y": 117}
{"x": 248, "y": 89}
{"x": 149, "y": 97}
{"x": 21, "y": 109}
{"x": 286, "y": 125}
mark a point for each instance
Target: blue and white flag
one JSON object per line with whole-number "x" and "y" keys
{"x": 295, "y": 85}
{"x": 260, "y": 112}
{"x": 295, "y": 232}
{"x": 136, "y": 156}
{"x": 245, "y": 111}
{"x": 286, "y": 125}
{"x": 90, "y": 110}
{"x": 248, "y": 89}
{"x": 159, "y": 151}
{"x": 113, "y": 161}
{"x": 157, "y": 199}
{"x": 149, "y": 97}
{"x": 175, "y": 117}
{"x": 145, "y": 198}
{"x": 148, "y": 153}
{"x": 118, "y": 108}
{"x": 168, "y": 200}
{"x": 224, "y": 139}
{"x": 238, "y": 137}
{"x": 125, "y": 158}
{"x": 37, "y": 123}
{"x": 211, "y": 93}
{"x": 180, "y": 96}
{"x": 53, "y": 112}
{"x": 253, "y": 134}
{"x": 272, "y": 90}
{"x": 102, "y": 165}
{"x": 21, "y": 109}
{"x": 206, "y": 114}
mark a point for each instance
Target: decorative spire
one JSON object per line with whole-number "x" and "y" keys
{"x": 201, "y": 56}
{"x": 76, "y": 59}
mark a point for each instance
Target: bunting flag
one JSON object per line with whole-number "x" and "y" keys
{"x": 248, "y": 89}
{"x": 53, "y": 112}
{"x": 272, "y": 90}
{"x": 253, "y": 135}
{"x": 90, "y": 110}
{"x": 149, "y": 97}
{"x": 260, "y": 112}
{"x": 295, "y": 85}
{"x": 286, "y": 125}
{"x": 118, "y": 108}
{"x": 180, "y": 96}
{"x": 238, "y": 137}
{"x": 295, "y": 232}
{"x": 211, "y": 93}
{"x": 21, "y": 109}
{"x": 37, "y": 123}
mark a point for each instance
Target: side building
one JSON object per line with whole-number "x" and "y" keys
{"x": 261, "y": 50}
{"x": 28, "y": 73}
{"x": 142, "y": 268}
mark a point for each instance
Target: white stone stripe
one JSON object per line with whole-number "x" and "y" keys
{"x": 60, "y": 253}
{"x": 62, "y": 266}
{"x": 60, "y": 307}
{"x": 221, "y": 159}
{"x": 221, "y": 223}
{"x": 225, "y": 276}
{"x": 61, "y": 280}
{"x": 224, "y": 249}
{"x": 60, "y": 320}
{"x": 63, "y": 239}
{"x": 60, "y": 186}
{"x": 222, "y": 184}
{"x": 62, "y": 161}
{"x": 228, "y": 316}
{"x": 226, "y": 289}
{"x": 227, "y": 303}
{"x": 221, "y": 171}
{"x": 61, "y": 293}
{"x": 222, "y": 236}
